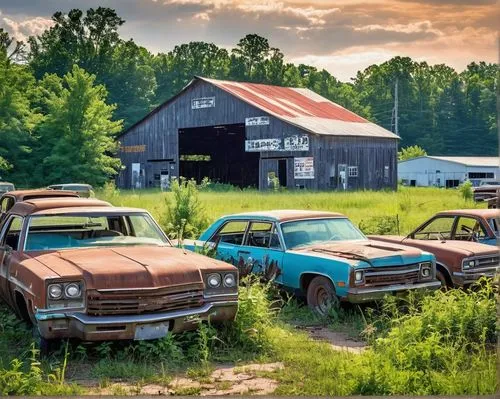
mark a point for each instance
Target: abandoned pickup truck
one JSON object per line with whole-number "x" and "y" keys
{"x": 458, "y": 240}
{"x": 81, "y": 268}
{"x": 319, "y": 255}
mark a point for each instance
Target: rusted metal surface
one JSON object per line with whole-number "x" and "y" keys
{"x": 57, "y": 204}
{"x": 452, "y": 253}
{"x": 123, "y": 287}
{"x": 486, "y": 192}
{"x": 23, "y": 195}
{"x": 303, "y": 108}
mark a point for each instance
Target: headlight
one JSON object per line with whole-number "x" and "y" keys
{"x": 468, "y": 264}
{"x": 72, "y": 290}
{"x": 358, "y": 277}
{"x": 55, "y": 291}
{"x": 214, "y": 280}
{"x": 229, "y": 280}
{"x": 425, "y": 270}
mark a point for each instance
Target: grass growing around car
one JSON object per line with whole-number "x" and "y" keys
{"x": 441, "y": 344}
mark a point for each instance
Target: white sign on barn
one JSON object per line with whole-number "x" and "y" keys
{"x": 204, "y": 102}
{"x": 303, "y": 168}
{"x": 297, "y": 143}
{"x": 257, "y": 121}
{"x": 263, "y": 145}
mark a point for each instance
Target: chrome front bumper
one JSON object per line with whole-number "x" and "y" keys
{"x": 471, "y": 276}
{"x": 368, "y": 294}
{"x": 60, "y": 324}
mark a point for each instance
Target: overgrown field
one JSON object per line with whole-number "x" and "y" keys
{"x": 441, "y": 344}
{"x": 374, "y": 211}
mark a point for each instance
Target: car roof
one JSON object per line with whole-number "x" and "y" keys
{"x": 20, "y": 195}
{"x": 43, "y": 204}
{"x": 485, "y": 213}
{"x": 284, "y": 215}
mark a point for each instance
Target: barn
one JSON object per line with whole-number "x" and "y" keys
{"x": 448, "y": 171}
{"x": 248, "y": 134}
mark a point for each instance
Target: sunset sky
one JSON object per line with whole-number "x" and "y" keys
{"x": 341, "y": 36}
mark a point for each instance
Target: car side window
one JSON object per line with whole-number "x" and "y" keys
{"x": 12, "y": 232}
{"x": 438, "y": 229}
{"x": 468, "y": 229}
{"x": 262, "y": 235}
{"x": 231, "y": 232}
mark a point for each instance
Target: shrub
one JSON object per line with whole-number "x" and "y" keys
{"x": 436, "y": 345}
{"x": 466, "y": 190}
{"x": 185, "y": 217}
{"x": 380, "y": 225}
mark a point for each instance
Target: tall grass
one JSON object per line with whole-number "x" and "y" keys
{"x": 412, "y": 205}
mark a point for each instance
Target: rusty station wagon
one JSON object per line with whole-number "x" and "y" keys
{"x": 81, "y": 268}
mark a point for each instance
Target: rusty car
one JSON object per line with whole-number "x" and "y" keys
{"x": 486, "y": 191}
{"x": 464, "y": 242}
{"x": 81, "y": 268}
{"x": 8, "y": 199}
{"x": 318, "y": 255}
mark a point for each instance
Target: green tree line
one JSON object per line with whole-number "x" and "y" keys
{"x": 66, "y": 93}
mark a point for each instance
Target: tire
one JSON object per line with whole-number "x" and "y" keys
{"x": 321, "y": 295}
{"x": 46, "y": 346}
{"x": 445, "y": 286}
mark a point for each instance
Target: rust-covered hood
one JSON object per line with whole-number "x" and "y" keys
{"x": 130, "y": 267}
{"x": 437, "y": 247}
{"x": 372, "y": 252}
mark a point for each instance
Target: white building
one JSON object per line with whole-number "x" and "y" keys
{"x": 448, "y": 171}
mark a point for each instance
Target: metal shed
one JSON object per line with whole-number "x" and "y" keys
{"x": 448, "y": 171}
{"x": 246, "y": 133}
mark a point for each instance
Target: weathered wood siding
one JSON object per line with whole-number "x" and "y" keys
{"x": 158, "y": 132}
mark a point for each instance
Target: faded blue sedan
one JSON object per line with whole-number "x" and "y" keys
{"x": 319, "y": 255}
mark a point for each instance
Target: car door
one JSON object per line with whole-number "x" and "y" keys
{"x": 229, "y": 239}
{"x": 9, "y": 241}
{"x": 262, "y": 252}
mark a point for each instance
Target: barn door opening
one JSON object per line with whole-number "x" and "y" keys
{"x": 218, "y": 152}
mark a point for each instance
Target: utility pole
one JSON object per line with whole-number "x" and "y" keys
{"x": 394, "y": 117}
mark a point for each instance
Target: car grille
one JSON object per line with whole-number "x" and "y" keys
{"x": 126, "y": 302}
{"x": 488, "y": 261}
{"x": 392, "y": 275}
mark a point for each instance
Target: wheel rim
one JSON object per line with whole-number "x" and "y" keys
{"x": 324, "y": 300}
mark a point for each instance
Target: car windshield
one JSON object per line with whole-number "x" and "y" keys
{"x": 490, "y": 183}
{"x": 6, "y": 187}
{"x": 305, "y": 232}
{"x": 55, "y": 232}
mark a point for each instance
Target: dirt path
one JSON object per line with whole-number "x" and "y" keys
{"x": 224, "y": 380}
{"x": 338, "y": 340}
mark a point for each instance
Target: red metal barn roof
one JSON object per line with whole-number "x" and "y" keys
{"x": 303, "y": 108}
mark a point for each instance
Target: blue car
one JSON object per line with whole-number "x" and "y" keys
{"x": 319, "y": 255}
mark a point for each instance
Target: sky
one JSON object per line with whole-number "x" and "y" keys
{"x": 339, "y": 35}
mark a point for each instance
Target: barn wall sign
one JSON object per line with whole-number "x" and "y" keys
{"x": 303, "y": 168}
{"x": 292, "y": 143}
{"x": 204, "y": 102}
{"x": 257, "y": 121}
{"x": 263, "y": 145}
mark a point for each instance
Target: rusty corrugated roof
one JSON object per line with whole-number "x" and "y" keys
{"x": 303, "y": 108}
